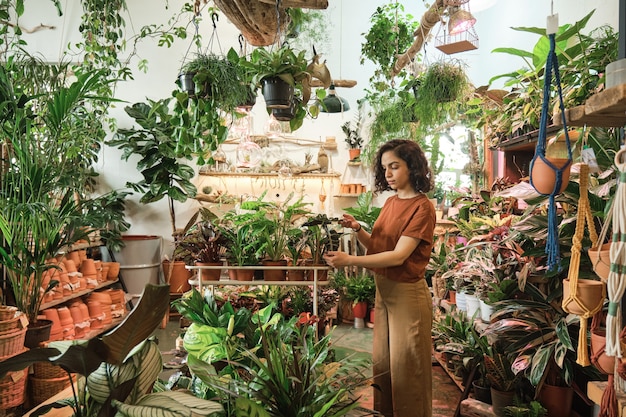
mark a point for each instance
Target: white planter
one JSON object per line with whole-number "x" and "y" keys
{"x": 461, "y": 303}
{"x": 486, "y": 311}
{"x": 473, "y": 305}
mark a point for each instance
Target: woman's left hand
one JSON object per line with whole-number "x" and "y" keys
{"x": 337, "y": 259}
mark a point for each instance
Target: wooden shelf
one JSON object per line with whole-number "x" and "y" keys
{"x": 347, "y": 195}
{"x": 604, "y": 109}
{"x": 439, "y": 357}
{"x": 77, "y": 294}
{"x": 269, "y": 175}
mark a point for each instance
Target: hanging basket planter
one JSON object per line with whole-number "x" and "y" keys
{"x": 589, "y": 296}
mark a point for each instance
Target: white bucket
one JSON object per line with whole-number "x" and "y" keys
{"x": 473, "y": 306}
{"x": 140, "y": 262}
{"x": 486, "y": 311}
{"x": 616, "y": 73}
{"x": 461, "y": 301}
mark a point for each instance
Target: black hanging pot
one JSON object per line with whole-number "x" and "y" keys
{"x": 286, "y": 114}
{"x": 186, "y": 83}
{"x": 277, "y": 93}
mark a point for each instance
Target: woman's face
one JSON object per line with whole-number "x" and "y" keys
{"x": 396, "y": 171}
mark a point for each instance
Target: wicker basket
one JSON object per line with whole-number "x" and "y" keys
{"x": 12, "y": 388}
{"x": 46, "y": 370}
{"x": 43, "y": 388}
{"x": 7, "y": 312}
{"x": 10, "y": 324}
{"x": 11, "y": 343}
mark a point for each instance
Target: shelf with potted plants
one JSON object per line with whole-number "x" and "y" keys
{"x": 262, "y": 230}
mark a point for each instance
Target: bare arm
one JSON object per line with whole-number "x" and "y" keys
{"x": 405, "y": 246}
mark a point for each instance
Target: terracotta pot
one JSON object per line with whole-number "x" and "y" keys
{"x": 604, "y": 363}
{"x": 354, "y": 153}
{"x": 590, "y": 293}
{"x": 600, "y": 260}
{"x": 452, "y": 295}
{"x": 65, "y": 316}
{"x": 297, "y": 275}
{"x": 114, "y": 270}
{"x": 543, "y": 177}
{"x": 275, "y": 274}
{"x": 52, "y": 314}
{"x": 210, "y": 274}
{"x": 74, "y": 257}
{"x": 245, "y": 274}
{"x": 70, "y": 265}
{"x": 557, "y": 400}
{"x": 322, "y": 274}
{"x": 359, "y": 310}
{"x": 88, "y": 268}
{"x": 95, "y": 312}
{"x": 179, "y": 279}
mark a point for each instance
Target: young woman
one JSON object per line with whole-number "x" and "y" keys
{"x": 398, "y": 250}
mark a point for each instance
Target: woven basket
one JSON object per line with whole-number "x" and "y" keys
{"x": 7, "y": 312}
{"x": 10, "y": 324}
{"x": 46, "y": 370}
{"x": 12, "y": 388}
{"x": 44, "y": 388}
{"x": 11, "y": 343}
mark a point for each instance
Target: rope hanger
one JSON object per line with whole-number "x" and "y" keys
{"x": 552, "y": 245}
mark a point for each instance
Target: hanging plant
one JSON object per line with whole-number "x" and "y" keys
{"x": 219, "y": 78}
{"x": 391, "y": 32}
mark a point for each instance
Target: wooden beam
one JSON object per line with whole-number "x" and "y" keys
{"x": 338, "y": 83}
{"x": 301, "y": 4}
{"x": 431, "y": 17}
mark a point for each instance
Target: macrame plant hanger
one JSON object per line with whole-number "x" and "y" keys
{"x": 574, "y": 302}
{"x": 616, "y": 285}
{"x": 552, "y": 64}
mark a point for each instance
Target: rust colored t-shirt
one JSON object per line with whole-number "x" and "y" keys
{"x": 413, "y": 217}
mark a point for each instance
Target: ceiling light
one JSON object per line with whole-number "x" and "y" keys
{"x": 460, "y": 21}
{"x": 333, "y": 103}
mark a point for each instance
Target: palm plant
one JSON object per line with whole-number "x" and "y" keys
{"x": 39, "y": 211}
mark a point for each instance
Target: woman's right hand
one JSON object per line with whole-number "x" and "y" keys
{"x": 349, "y": 221}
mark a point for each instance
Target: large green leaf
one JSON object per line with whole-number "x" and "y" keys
{"x": 139, "y": 324}
{"x": 170, "y": 404}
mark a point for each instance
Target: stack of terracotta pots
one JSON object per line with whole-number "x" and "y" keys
{"x": 105, "y": 301}
{"x": 67, "y": 323}
{"x": 56, "y": 332}
{"x": 113, "y": 270}
{"x": 118, "y": 300}
{"x": 90, "y": 273}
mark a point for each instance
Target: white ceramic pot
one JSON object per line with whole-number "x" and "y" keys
{"x": 461, "y": 303}
{"x": 473, "y": 305}
{"x": 485, "y": 311}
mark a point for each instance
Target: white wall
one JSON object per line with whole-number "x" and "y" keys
{"x": 350, "y": 18}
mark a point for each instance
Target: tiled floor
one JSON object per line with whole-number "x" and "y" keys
{"x": 345, "y": 337}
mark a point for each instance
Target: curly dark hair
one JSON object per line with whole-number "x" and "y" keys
{"x": 410, "y": 152}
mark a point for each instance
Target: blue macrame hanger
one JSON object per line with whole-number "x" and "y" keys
{"x": 552, "y": 64}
